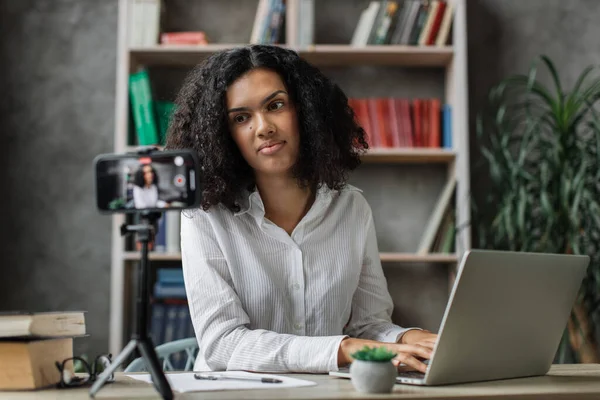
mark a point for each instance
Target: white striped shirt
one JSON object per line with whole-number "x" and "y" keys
{"x": 263, "y": 300}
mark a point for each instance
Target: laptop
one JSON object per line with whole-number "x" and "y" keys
{"x": 505, "y": 317}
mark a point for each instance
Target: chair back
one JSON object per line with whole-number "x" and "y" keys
{"x": 170, "y": 354}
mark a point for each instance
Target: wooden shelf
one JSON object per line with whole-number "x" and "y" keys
{"x": 408, "y": 56}
{"x": 385, "y": 257}
{"x": 320, "y": 55}
{"x": 407, "y": 155}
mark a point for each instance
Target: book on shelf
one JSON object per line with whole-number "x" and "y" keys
{"x": 150, "y": 118}
{"x": 445, "y": 237}
{"x": 435, "y": 219}
{"x": 184, "y": 38}
{"x": 144, "y": 22}
{"x": 397, "y": 122}
{"x": 170, "y": 315}
{"x": 269, "y": 22}
{"x": 404, "y": 22}
{"x": 142, "y": 108}
{"x": 42, "y": 324}
{"x": 168, "y": 236}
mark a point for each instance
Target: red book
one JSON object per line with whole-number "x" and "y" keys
{"x": 435, "y": 136}
{"x": 383, "y": 120}
{"x": 437, "y": 22}
{"x": 395, "y": 122}
{"x": 183, "y": 38}
{"x": 425, "y": 128}
{"x": 417, "y": 122}
{"x": 374, "y": 118}
{"x": 407, "y": 124}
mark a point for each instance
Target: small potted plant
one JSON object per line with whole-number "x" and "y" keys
{"x": 372, "y": 370}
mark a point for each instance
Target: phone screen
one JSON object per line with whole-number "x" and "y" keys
{"x": 159, "y": 181}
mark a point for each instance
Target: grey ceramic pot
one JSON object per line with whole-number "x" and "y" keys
{"x": 373, "y": 376}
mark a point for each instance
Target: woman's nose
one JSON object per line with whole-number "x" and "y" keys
{"x": 264, "y": 127}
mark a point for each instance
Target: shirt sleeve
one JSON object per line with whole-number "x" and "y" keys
{"x": 372, "y": 304}
{"x": 221, "y": 324}
{"x": 138, "y": 200}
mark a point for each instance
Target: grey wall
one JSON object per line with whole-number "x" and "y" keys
{"x": 57, "y": 83}
{"x": 506, "y": 35}
{"x": 57, "y": 80}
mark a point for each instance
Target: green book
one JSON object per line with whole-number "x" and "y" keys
{"x": 142, "y": 108}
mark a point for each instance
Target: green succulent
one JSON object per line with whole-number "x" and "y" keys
{"x": 379, "y": 354}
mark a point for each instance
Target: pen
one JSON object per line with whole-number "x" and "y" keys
{"x": 241, "y": 378}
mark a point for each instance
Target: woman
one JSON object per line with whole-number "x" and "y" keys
{"x": 281, "y": 265}
{"x": 145, "y": 190}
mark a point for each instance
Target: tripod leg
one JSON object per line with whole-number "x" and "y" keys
{"x": 153, "y": 365}
{"x": 113, "y": 367}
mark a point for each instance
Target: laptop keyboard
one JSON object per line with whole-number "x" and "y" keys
{"x": 411, "y": 374}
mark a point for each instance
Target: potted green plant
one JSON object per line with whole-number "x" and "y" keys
{"x": 372, "y": 370}
{"x": 541, "y": 147}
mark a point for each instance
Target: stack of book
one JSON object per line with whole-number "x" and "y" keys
{"x": 400, "y": 122}
{"x": 170, "y": 315}
{"x": 404, "y": 22}
{"x": 31, "y": 344}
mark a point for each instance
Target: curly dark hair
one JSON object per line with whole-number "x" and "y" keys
{"x": 138, "y": 178}
{"x": 331, "y": 141}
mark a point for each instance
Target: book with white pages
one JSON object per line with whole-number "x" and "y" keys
{"x": 42, "y": 324}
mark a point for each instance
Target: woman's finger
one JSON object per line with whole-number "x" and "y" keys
{"x": 427, "y": 345}
{"x": 414, "y": 350}
{"x": 411, "y": 363}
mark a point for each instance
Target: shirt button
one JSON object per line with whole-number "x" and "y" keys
{"x": 298, "y": 326}
{"x": 296, "y": 286}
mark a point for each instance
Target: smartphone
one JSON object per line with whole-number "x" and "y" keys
{"x": 147, "y": 181}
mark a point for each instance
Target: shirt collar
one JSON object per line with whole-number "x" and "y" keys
{"x": 248, "y": 198}
{"x": 251, "y": 201}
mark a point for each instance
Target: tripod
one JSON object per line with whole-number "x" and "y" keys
{"x": 139, "y": 337}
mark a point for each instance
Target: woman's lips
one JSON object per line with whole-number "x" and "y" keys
{"x": 268, "y": 150}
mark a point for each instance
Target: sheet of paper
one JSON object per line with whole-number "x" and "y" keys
{"x": 185, "y": 381}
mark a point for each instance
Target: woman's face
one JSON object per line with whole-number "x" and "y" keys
{"x": 263, "y": 122}
{"x": 148, "y": 174}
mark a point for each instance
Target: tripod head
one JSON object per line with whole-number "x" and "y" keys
{"x": 146, "y": 228}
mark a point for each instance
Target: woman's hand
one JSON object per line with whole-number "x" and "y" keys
{"x": 409, "y": 354}
{"x": 416, "y": 336}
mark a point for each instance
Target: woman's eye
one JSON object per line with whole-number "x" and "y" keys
{"x": 276, "y": 105}
{"x": 240, "y": 118}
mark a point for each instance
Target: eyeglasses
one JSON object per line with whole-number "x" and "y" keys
{"x": 69, "y": 367}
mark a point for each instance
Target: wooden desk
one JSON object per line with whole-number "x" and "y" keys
{"x": 580, "y": 381}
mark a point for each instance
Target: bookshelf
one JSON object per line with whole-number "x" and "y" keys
{"x": 319, "y": 55}
{"x": 451, "y": 60}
